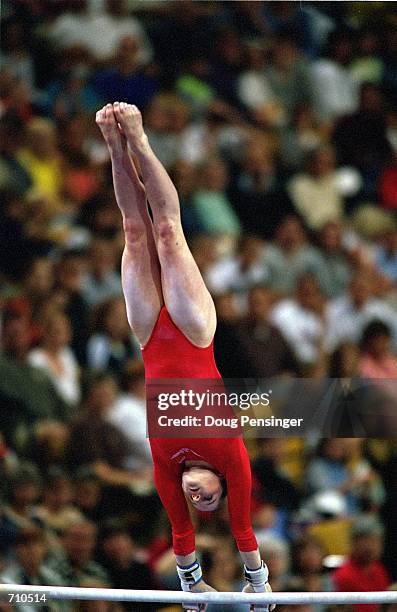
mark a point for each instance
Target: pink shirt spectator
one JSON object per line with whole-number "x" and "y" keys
{"x": 385, "y": 367}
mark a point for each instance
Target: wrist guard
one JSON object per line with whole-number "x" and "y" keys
{"x": 189, "y": 575}
{"x": 257, "y": 578}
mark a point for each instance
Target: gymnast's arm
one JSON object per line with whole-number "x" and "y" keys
{"x": 167, "y": 478}
{"x": 238, "y": 478}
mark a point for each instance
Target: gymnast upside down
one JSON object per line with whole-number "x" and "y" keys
{"x": 173, "y": 316}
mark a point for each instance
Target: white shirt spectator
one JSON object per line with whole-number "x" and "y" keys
{"x": 344, "y": 322}
{"x": 227, "y": 275}
{"x": 101, "y": 348}
{"x": 335, "y": 91}
{"x": 128, "y": 415}
{"x": 66, "y": 379}
{"x": 301, "y": 328}
{"x": 198, "y": 142}
{"x": 100, "y": 34}
{"x": 254, "y": 89}
{"x": 98, "y": 290}
{"x": 318, "y": 199}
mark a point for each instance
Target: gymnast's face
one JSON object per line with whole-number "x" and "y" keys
{"x": 202, "y": 488}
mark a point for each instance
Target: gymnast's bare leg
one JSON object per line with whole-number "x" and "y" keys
{"x": 140, "y": 267}
{"x": 185, "y": 295}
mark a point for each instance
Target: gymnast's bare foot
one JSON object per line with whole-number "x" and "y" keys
{"x": 113, "y": 135}
{"x": 130, "y": 119}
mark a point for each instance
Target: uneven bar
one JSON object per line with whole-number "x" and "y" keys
{"x": 62, "y": 592}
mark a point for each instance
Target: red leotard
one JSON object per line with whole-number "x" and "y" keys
{"x": 169, "y": 354}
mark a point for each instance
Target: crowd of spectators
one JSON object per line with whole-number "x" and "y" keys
{"x": 277, "y": 122}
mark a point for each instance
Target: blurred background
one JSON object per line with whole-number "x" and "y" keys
{"x": 278, "y": 124}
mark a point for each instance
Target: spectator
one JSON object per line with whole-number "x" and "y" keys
{"x": 360, "y": 138}
{"x": 93, "y": 441}
{"x": 112, "y": 346}
{"x": 41, "y": 158}
{"x": 24, "y": 485}
{"x": 210, "y": 202}
{"x": 56, "y": 511}
{"x": 100, "y": 31}
{"x": 334, "y": 268}
{"x": 29, "y": 567}
{"x": 223, "y": 569}
{"x": 193, "y": 85}
{"x": 226, "y": 342}
{"x": 287, "y": 17}
{"x": 350, "y": 393}
{"x": 308, "y": 565}
{"x": 75, "y": 565}
{"x": 16, "y": 56}
{"x": 88, "y": 494}
{"x": 167, "y": 118}
{"x": 275, "y": 485}
{"x": 317, "y": 185}
{"x": 219, "y": 130}
{"x": 102, "y": 282}
{"x": 125, "y": 79}
{"x": 254, "y": 90}
{"x": 387, "y": 184}
{"x": 38, "y": 284}
{"x": 255, "y": 190}
{"x": 344, "y": 361}
{"x": 55, "y": 357}
{"x": 265, "y": 351}
{"x": 185, "y": 178}
{"x": 121, "y": 558}
{"x": 302, "y": 137}
{"x": 367, "y": 66}
{"x": 275, "y": 553}
{"x": 289, "y": 256}
{"x": 348, "y": 314}
{"x": 328, "y": 471}
{"x": 363, "y": 570}
{"x": 386, "y": 255}
{"x": 20, "y": 380}
{"x": 334, "y": 89}
{"x": 301, "y": 321}
{"x": 377, "y": 359}
{"x": 71, "y": 93}
{"x": 128, "y": 415}
{"x": 17, "y": 248}
{"x": 390, "y": 65}
{"x": 13, "y": 173}
{"x": 241, "y": 271}
{"x": 81, "y": 184}
{"x": 288, "y": 74}
{"x": 226, "y": 64}
{"x": 68, "y": 295}
{"x": 178, "y": 35}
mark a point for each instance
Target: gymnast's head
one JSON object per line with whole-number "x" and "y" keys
{"x": 203, "y": 488}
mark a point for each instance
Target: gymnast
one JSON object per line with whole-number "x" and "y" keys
{"x": 173, "y": 316}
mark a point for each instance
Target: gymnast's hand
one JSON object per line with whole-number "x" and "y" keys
{"x": 200, "y": 587}
{"x": 267, "y": 589}
{"x": 191, "y": 578}
{"x": 257, "y": 582}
